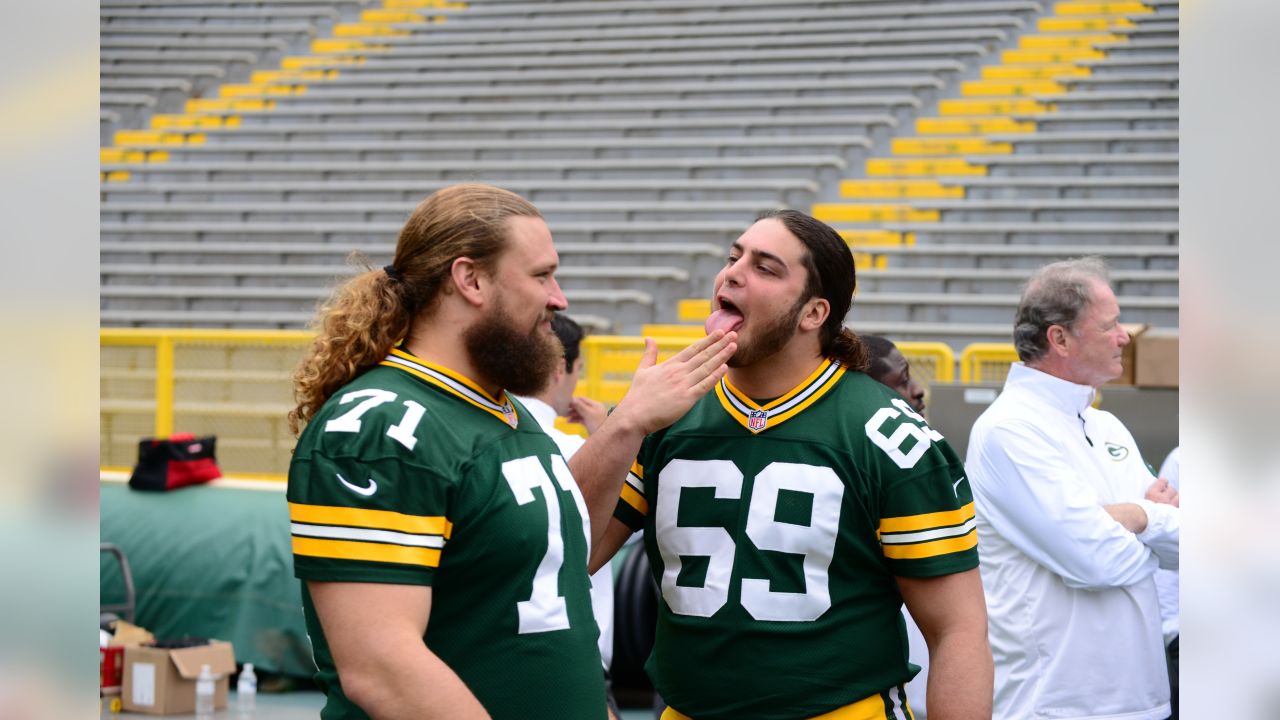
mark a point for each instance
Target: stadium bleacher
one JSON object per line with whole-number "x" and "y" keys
{"x": 249, "y": 145}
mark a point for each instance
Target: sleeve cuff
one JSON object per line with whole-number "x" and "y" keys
{"x": 1162, "y": 533}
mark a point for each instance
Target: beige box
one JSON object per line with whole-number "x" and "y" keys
{"x": 163, "y": 682}
{"x": 1157, "y": 359}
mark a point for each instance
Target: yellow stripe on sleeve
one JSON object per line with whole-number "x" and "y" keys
{"x": 375, "y": 552}
{"x": 927, "y": 521}
{"x": 376, "y": 519}
{"x": 637, "y": 470}
{"x": 635, "y": 499}
{"x": 932, "y": 549}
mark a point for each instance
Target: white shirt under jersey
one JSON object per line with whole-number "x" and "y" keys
{"x": 602, "y": 581}
{"x": 1071, "y": 596}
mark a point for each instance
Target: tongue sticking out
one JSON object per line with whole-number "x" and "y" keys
{"x": 726, "y": 320}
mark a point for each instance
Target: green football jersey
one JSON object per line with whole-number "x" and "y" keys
{"x": 412, "y": 475}
{"x": 775, "y": 533}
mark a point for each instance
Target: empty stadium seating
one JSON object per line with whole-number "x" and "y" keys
{"x": 957, "y": 145}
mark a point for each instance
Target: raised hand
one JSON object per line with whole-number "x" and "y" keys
{"x": 661, "y": 393}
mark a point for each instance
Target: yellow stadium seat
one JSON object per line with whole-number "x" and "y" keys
{"x": 239, "y": 105}
{"x": 1058, "y": 42}
{"x": 193, "y": 122}
{"x": 1034, "y": 72}
{"x": 121, "y": 155}
{"x": 655, "y": 330}
{"x": 894, "y": 189}
{"x": 972, "y": 126}
{"x": 328, "y": 45}
{"x": 351, "y": 30}
{"x": 1083, "y": 24}
{"x": 1061, "y": 55}
{"x": 969, "y": 108}
{"x": 929, "y": 167}
{"x": 1009, "y": 88}
{"x": 156, "y": 137}
{"x": 116, "y": 176}
{"x": 693, "y": 310}
{"x": 853, "y": 212}
{"x": 1101, "y": 8}
{"x": 949, "y": 146}
{"x": 390, "y": 16}
{"x": 255, "y": 91}
{"x": 874, "y": 238}
{"x": 869, "y": 261}
{"x": 266, "y": 77}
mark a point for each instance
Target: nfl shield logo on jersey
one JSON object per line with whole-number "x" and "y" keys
{"x": 757, "y": 420}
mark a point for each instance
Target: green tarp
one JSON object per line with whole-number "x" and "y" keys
{"x": 210, "y": 562}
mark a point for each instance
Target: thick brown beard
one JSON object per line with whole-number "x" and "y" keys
{"x": 772, "y": 338}
{"x": 519, "y": 362}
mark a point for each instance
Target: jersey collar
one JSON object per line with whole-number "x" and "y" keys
{"x": 454, "y": 384}
{"x": 757, "y": 418}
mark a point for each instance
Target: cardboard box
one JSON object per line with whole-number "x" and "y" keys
{"x": 163, "y": 682}
{"x": 1157, "y": 359}
{"x": 1129, "y": 359}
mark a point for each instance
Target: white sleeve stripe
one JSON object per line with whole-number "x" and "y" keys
{"x": 927, "y": 535}
{"x": 366, "y": 535}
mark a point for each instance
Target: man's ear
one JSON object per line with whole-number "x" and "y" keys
{"x": 814, "y": 314}
{"x": 1059, "y": 340}
{"x": 467, "y": 280}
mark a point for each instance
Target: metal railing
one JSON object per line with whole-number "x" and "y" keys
{"x": 986, "y": 362}
{"x": 236, "y": 384}
{"x": 230, "y": 383}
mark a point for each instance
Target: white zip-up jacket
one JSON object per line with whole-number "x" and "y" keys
{"x": 1071, "y": 597}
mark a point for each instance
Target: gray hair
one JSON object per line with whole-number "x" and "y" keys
{"x": 1055, "y": 295}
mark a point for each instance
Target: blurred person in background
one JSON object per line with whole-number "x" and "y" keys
{"x": 1073, "y": 524}
{"x": 890, "y": 368}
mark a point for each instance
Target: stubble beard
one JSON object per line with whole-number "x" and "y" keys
{"x": 772, "y": 338}
{"x": 519, "y": 361}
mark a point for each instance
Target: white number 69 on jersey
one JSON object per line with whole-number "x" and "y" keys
{"x": 892, "y": 444}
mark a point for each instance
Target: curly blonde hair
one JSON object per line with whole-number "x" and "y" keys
{"x": 366, "y": 316}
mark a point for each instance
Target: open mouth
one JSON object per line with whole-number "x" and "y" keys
{"x": 726, "y": 317}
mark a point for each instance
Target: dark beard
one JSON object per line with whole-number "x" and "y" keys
{"x": 773, "y": 338}
{"x": 519, "y": 362}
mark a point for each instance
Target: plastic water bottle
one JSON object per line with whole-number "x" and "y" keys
{"x": 246, "y": 691}
{"x": 204, "y": 694}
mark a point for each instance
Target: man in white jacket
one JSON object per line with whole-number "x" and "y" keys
{"x": 1073, "y": 525}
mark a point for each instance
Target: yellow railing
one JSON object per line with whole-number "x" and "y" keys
{"x": 230, "y": 383}
{"x": 931, "y": 362}
{"x": 235, "y": 384}
{"x": 986, "y": 362}
{"x": 611, "y": 360}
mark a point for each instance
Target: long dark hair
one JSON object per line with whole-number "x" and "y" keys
{"x": 831, "y": 276}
